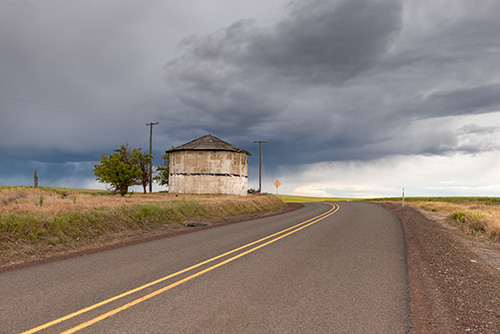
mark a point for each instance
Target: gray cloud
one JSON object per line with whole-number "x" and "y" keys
{"x": 324, "y": 41}
{"x": 324, "y": 81}
{"x": 342, "y": 79}
{"x": 250, "y": 78}
{"x": 460, "y": 101}
{"x": 318, "y": 42}
{"x": 477, "y": 129}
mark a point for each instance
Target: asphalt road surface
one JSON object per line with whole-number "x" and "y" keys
{"x": 325, "y": 268}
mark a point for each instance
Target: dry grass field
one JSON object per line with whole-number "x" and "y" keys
{"x": 37, "y": 222}
{"x": 477, "y": 216}
{"x": 51, "y": 200}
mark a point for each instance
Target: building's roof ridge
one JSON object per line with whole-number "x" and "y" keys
{"x": 208, "y": 143}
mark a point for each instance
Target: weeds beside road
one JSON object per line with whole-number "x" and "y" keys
{"x": 39, "y": 222}
{"x": 475, "y": 216}
{"x": 35, "y": 223}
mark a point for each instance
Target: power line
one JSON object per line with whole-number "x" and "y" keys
{"x": 62, "y": 109}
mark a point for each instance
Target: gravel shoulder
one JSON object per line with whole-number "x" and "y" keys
{"x": 454, "y": 278}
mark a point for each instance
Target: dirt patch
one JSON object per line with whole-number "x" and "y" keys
{"x": 121, "y": 239}
{"x": 453, "y": 289}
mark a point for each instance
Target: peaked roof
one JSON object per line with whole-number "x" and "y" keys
{"x": 208, "y": 143}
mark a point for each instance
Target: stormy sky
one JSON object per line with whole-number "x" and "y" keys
{"x": 355, "y": 98}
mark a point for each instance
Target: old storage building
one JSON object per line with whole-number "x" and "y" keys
{"x": 208, "y": 165}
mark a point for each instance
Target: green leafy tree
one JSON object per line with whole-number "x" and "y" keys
{"x": 120, "y": 170}
{"x": 143, "y": 160}
{"x": 162, "y": 171}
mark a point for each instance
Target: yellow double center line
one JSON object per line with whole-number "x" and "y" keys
{"x": 277, "y": 236}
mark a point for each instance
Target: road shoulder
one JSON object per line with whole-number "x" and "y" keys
{"x": 452, "y": 288}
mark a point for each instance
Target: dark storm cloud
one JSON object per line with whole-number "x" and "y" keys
{"x": 71, "y": 80}
{"x": 326, "y": 42}
{"x": 461, "y": 101}
{"x": 318, "y": 42}
{"x": 250, "y": 79}
{"x": 328, "y": 81}
{"x": 337, "y": 80}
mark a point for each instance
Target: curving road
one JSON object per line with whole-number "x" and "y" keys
{"x": 326, "y": 268}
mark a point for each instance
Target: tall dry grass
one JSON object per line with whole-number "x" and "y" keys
{"x": 36, "y": 222}
{"x": 47, "y": 200}
{"x": 474, "y": 217}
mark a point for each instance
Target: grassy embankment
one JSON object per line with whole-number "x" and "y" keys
{"x": 474, "y": 215}
{"x": 37, "y": 221}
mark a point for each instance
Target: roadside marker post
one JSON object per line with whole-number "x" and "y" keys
{"x": 403, "y": 197}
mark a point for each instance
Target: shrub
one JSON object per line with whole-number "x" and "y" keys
{"x": 470, "y": 221}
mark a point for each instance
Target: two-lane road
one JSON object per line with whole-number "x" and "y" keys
{"x": 325, "y": 268}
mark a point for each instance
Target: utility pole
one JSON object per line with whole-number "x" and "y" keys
{"x": 151, "y": 153}
{"x": 260, "y": 162}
